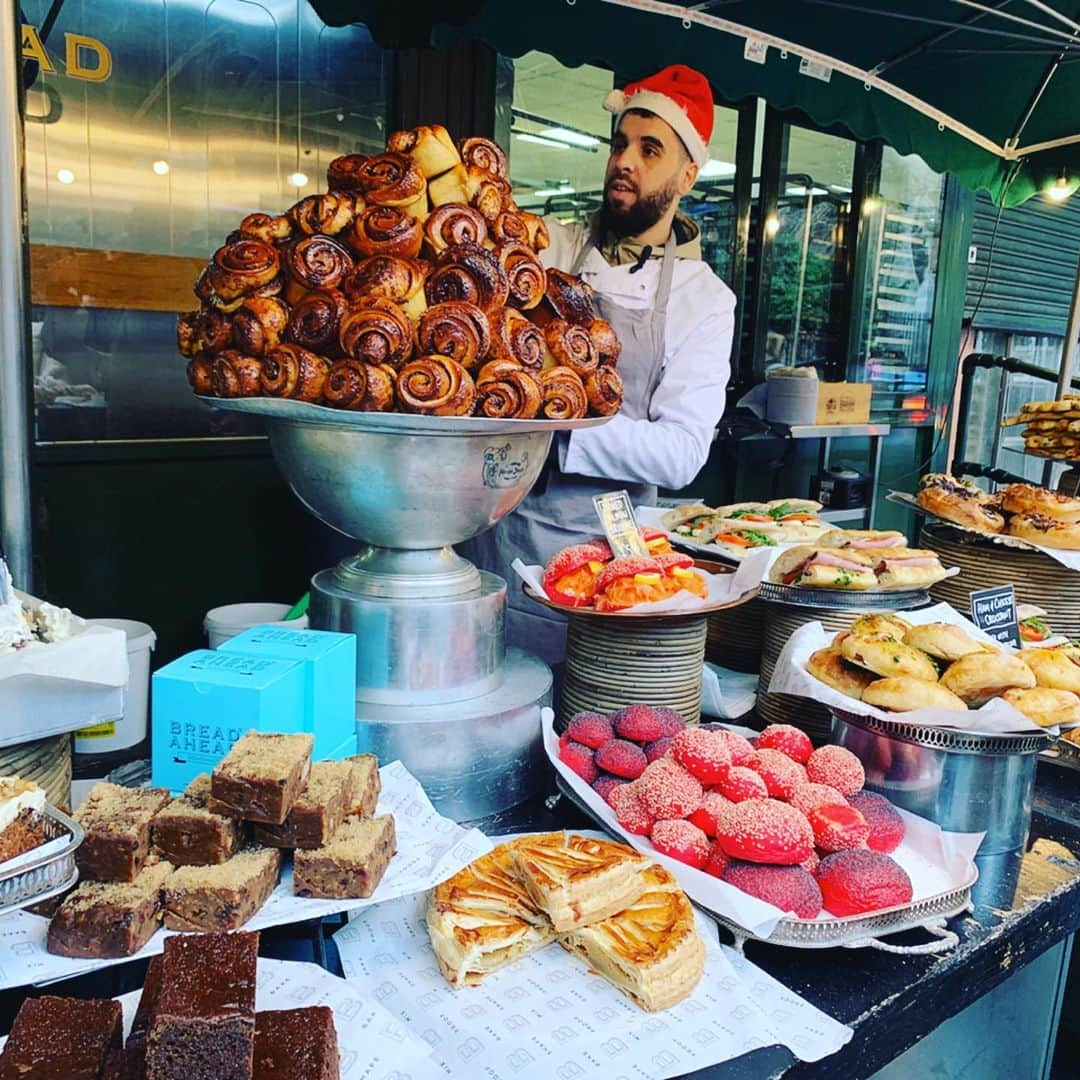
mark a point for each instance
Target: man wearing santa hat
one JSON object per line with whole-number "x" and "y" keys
{"x": 674, "y": 318}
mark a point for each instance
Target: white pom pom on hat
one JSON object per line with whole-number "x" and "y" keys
{"x": 680, "y": 96}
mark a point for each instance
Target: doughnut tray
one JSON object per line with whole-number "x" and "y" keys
{"x": 36, "y": 879}
{"x": 852, "y": 931}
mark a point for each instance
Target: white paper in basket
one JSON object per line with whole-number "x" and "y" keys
{"x": 791, "y": 677}
{"x": 936, "y": 861}
{"x": 723, "y": 588}
{"x": 430, "y": 849}
{"x": 548, "y": 1015}
{"x": 372, "y": 1043}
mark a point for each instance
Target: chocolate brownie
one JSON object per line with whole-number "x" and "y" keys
{"x": 351, "y": 864}
{"x": 187, "y": 833}
{"x": 328, "y": 795}
{"x": 261, "y": 777}
{"x": 117, "y": 824}
{"x": 204, "y": 1026}
{"x": 366, "y": 785}
{"x": 56, "y": 1038}
{"x": 291, "y": 1044}
{"x": 144, "y": 1017}
{"x": 120, "y": 1065}
{"x": 109, "y": 918}
{"x": 222, "y": 897}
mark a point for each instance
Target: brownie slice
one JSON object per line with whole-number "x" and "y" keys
{"x": 295, "y": 1043}
{"x": 120, "y": 1065}
{"x": 330, "y": 792}
{"x": 61, "y": 1038}
{"x": 351, "y": 864}
{"x": 144, "y": 1017}
{"x": 188, "y": 833}
{"x": 117, "y": 824}
{"x": 261, "y": 777}
{"x": 108, "y": 919}
{"x": 366, "y": 785}
{"x": 204, "y": 1026}
{"x": 221, "y": 897}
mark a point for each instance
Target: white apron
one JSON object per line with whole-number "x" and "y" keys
{"x": 559, "y": 510}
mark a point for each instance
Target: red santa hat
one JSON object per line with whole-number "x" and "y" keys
{"x": 678, "y": 94}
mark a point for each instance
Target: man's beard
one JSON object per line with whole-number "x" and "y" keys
{"x": 641, "y": 216}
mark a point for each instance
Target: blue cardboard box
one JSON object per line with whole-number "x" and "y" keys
{"x": 329, "y": 661}
{"x": 204, "y": 701}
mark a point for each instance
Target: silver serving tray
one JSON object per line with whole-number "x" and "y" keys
{"x": 844, "y": 600}
{"x": 851, "y": 931}
{"x": 48, "y": 875}
{"x": 393, "y": 423}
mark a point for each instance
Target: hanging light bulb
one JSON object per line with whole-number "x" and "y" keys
{"x": 298, "y": 179}
{"x": 1062, "y": 187}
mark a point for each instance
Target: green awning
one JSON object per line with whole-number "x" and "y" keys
{"x": 986, "y": 89}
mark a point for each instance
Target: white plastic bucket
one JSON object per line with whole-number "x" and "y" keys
{"x": 222, "y": 623}
{"x": 130, "y": 729}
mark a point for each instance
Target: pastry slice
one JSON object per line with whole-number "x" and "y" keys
{"x": 651, "y": 950}
{"x": 482, "y": 919}
{"x": 578, "y": 880}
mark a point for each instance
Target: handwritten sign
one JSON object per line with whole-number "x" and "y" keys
{"x": 994, "y": 610}
{"x": 620, "y": 526}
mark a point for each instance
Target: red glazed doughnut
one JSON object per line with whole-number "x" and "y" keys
{"x": 742, "y": 783}
{"x": 837, "y": 827}
{"x": 639, "y": 723}
{"x": 579, "y": 758}
{"x": 837, "y": 767}
{"x": 790, "y": 888}
{"x": 886, "y": 825}
{"x": 669, "y": 791}
{"x": 806, "y": 796}
{"x": 788, "y": 740}
{"x": 681, "y": 841}
{"x": 709, "y": 816}
{"x": 591, "y": 729}
{"x": 630, "y": 811}
{"x": 703, "y": 753}
{"x": 781, "y": 775}
{"x": 766, "y": 831}
{"x": 860, "y": 880}
{"x": 621, "y": 758}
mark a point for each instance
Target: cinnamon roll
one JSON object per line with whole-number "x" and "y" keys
{"x": 391, "y": 179}
{"x": 516, "y": 339}
{"x": 386, "y": 276}
{"x": 327, "y": 214}
{"x": 487, "y": 193}
{"x": 571, "y": 346}
{"x": 187, "y": 332}
{"x": 506, "y": 391}
{"x": 435, "y": 386}
{"x": 385, "y": 230}
{"x": 520, "y": 227}
{"x": 199, "y": 375}
{"x": 524, "y": 274}
{"x": 233, "y": 374}
{"x": 483, "y": 154}
{"x": 204, "y": 287}
{"x": 377, "y": 332}
{"x": 269, "y": 228}
{"x": 343, "y": 173}
{"x": 608, "y": 345}
{"x": 539, "y": 238}
{"x": 454, "y": 223}
{"x": 429, "y": 146}
{"x": 564, "y": 394}
{"x": 259, "y": 324}
{"x": 315, "y": 322}
{"x": 315, "y": 262}
{"x": 352, "y": 384}
{"x": 456, "y": 329}
{"x": 565, "y": 297}
{"x": 468, "y": 272}
{"x": 290, "y": 371}
{"x": 604, "y": 389}
{"x": 242, "y": 266}
{"x": 451, "y": 187}
{"x": 213, "y": 331}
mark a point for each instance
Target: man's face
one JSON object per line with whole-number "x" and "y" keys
{"x": 647, "y": 171}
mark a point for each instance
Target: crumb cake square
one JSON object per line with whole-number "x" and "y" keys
{"x": 223, "y": 896}
{"x": 328, "y": 795}
{"x": 366, "y": 785}
{"x": 117, "y": 823}
{"x": 261, "y": 777}
{"x": 188, "y": 833}
{"x": 351, "y": 864}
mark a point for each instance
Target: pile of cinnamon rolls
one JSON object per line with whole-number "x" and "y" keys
{"x": 414, "y": 285}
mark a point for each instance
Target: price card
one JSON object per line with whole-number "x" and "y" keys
{"x": 620, "y": 526}
{"x": 994, "y": 610}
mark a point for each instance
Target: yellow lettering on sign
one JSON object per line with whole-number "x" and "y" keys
{"x": 75, "y": 68}
{"x": 33, "y": 49}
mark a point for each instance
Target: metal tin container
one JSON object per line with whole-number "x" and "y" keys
{"x": 963, "y": 780}
{"x": 1038, "y": 579}
{"x": 46, "y": 875}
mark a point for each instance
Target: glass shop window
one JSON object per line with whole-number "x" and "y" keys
{"x": 902, "y": 226}
{"x": 559, "y": 139}
{"x": 151, "y": 130}
{"x": 806, "y": 312}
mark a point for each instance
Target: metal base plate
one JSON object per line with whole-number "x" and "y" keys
{"x": 474, "y": 758}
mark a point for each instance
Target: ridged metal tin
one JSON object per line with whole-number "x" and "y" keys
{"x": 48, "y": 875}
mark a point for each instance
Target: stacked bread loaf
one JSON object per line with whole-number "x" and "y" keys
{"x": 413, "y": 285}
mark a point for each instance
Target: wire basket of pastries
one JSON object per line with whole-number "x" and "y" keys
{"x": 413, "y": 285}
{"x": 1051, "y": 428}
